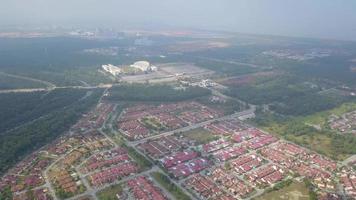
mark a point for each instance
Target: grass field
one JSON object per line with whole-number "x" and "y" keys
{"x": 317, "y": 141}
{"x": 311, "y": 131}
{"x": 152, "y": 123}
{"x": 200, "y": 135}
{"x": 109, "y": 193}
{"x": 321, "y": 117}
{"x": 295, "y": 191}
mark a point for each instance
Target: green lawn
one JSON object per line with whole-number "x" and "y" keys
{"x": 200, "y": 135}
{"x": 152, "y": 123}
{"x": 109, "y": 193}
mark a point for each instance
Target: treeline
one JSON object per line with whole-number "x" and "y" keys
{"x": 139, "y": 158}
{"x": 18, "y": 143}
{"x": 276, "y": 89}
{"x": 307, "y": 104}
{"x": 157, "y": 92}
{"x": 286, "y": 95}
{"x": 19, "y": 108}
{"x": 166, "y": 182}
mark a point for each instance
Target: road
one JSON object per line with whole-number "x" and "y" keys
{"x": 48, "y": 84}
{"x": 349, "y": 159}
{"x": 55, "y": 87}
{"x": 232, "y": 62}
{"x": 194, "y": 126}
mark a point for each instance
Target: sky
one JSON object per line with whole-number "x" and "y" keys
{"x": 335, "y": 19}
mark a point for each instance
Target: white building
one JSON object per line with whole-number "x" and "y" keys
{"x": 112, "y": 69}
{"x": 142, "y": 65}
{"x": 154, "y": 68}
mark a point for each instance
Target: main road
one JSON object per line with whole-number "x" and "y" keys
{"x": 194, "y": 126}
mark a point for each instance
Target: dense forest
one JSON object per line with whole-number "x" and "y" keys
{"x": 143, "y": 92}
{"x": 7, "y": 83}
{"x": 307, "y": 104}
{"x": 19, "y": 108}
{"x": 17, "y": 143}
{"x": 59, "y": 60}
{"x": 287, "y": 95}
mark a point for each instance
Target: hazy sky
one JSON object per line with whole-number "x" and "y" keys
{"x": 311, "y": 18}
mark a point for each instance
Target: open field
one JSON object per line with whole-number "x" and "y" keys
{"x": 295, "y": 191}
{"x": 321, "y": 117}
{"x": 295, "y": 129}
{"x": 109, "y": 193}
{"x": 200, "y": 135}
{"x": 184, "y": 68}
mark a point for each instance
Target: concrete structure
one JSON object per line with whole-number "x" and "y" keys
{"x": 112, "y": 69}
{"x": 142, "y": 65}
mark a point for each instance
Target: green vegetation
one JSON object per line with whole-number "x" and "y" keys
{"x": 288, "y": 95}
{"x": 200, "y": 135}
{"x": 19, "y": 108}
{"x": 89, "y": 75}
{"x": 229, "y": 106}
{"x": 152, "y": 123}
{"x": 321, "y": 118}
{"x": 19, "y": 142}
{"x": 312, "y": 194}
{"x": 62, "y": 194}
{"x": 280, "y": 185}
{"x": 5, "y": 193}
{"x": 225, "y": 67}
{"x": 109, "y": 193}
{"x": 287, "y": 190}
{"x": 307, "y": 104}
{"x": 7, "y": 82}
{"x": 142, "y": 162}
{"x": 165, "y": 182}
{"x": 144, "y": 92}
{"x": 295, "y": 129}
{"x": 59, "y": 60}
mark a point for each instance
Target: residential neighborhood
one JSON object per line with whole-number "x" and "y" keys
{"x": 232, "y": 159}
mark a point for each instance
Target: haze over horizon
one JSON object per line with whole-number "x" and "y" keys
{"x": 303, "y": 18}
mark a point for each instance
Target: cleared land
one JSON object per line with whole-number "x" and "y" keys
{"x": 295, "y": 191}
